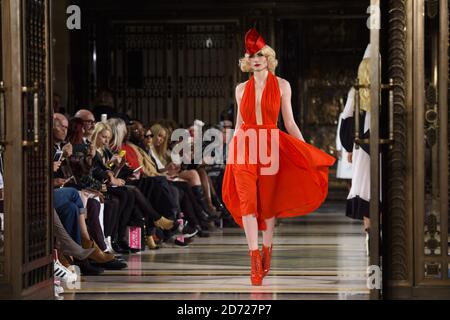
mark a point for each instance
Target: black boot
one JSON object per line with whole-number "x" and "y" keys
{"x": 201, "y": 199}
{"x": 202, "y": 232}
{"x": 206, "y": 217}
{"x": 120, "y": 248}
{"x": 88, "y": 269}
{"x": 218, "y": 204}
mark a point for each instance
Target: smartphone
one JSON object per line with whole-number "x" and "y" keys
{"x": 67, "y": 181}
{"x": 58, "y": 155}
{"x": 138, "y": 169}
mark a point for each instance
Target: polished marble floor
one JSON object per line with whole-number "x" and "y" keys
{"x": 320, "y": 256}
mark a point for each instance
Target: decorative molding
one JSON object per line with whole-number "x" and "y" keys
{"x": 396, "y": 215}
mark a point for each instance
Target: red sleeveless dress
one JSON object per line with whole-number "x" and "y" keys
{"x": 298, "y": 186}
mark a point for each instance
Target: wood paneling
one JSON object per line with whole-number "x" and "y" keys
{"x": 173, "y": 71}
{"x": 28, "y": 206}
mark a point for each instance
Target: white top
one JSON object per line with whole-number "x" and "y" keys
{"x": 349, "y": 104}
{"x": 158, "y": 162}
{"x": 360, "y": 160}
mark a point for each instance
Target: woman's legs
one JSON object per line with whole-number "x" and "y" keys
{"x": 246, "y": 181}
{"x": 93, "y": 223}
{"x": 366, "y": 223}
{"x": 267, "y": 245}
{"x": 111, "y": 217}
{"x": 191, "y": 176}
{"x": 83, "y": 228}
{"x": 201, "y": 217}
{"x": 268, "y": 233}
{"x": 127, "y": 204}
{"x": 65, "y": 243}
{"x": 145, "y": 206}
{"x": 158, "y": 191}
{"x": 152, "y": 217}
{"x": 251, "y": 231}
{"x": 206, "y": 187}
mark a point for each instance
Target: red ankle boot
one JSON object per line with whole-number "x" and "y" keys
{"x": 266, "y": 256}
{"x": 257, "y": 271}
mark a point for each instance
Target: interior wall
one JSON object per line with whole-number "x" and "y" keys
{"x": 61, "y": 51}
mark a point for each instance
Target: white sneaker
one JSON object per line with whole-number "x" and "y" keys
{"x": 58, "y": 289}
{"x": 63, "y": 274}
{"x": 109, "y": 246}
{"x": 181, "y": 224}
{"x": 188, "y": 232}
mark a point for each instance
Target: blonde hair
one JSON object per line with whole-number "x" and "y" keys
{"x": 119, "y": 131}
{"x": 161, "y": 151}
{"x": 268, "y": 52}
{"x": 364, "y": 79}
{"x": 99, "y": 128}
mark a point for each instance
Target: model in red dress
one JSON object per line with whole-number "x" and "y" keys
{"x": 269, "y": 174}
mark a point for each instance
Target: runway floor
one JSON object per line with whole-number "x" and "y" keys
{"x": 320, "y": 256}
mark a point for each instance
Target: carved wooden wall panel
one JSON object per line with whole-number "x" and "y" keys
{"x": 173, "y": 71}
{"x": 38, "y": 243}
{"x": 396, "y": 218}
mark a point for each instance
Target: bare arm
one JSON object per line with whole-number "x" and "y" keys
{"x": 239, "y": 93}
{"x": 286, "y": 110}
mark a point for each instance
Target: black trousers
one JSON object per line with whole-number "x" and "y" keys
{"x": 111, "y": 216}
{"x": 127, "y": 201}
{"x": 189, "y": 204}
{"x": 158, "y": 193}
{"x": 145, "y": 208}
{"x": 93, "y": 223}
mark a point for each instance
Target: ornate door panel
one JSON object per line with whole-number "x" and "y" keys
{"x": 173, "y": 71}
{"x": 2, "y": 138}
{"x": 431, "y": 144}
{"x": 416, "y": 220}
{"x": 28, "y": 207}
{"x": 36, "y": 129}
{"x": 141, "y": 77}
{"x": 205, "y": 81}
{"x": 398, "y": 222}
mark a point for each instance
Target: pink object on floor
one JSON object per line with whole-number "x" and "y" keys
{"x": 134, "y": 237}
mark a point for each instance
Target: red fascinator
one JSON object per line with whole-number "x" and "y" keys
{"x": 253, "y": 41}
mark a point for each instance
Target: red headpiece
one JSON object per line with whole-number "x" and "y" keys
{"x": 253, "y": 41}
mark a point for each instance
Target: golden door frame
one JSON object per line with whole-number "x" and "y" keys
{"x": 28, "y": 262}
{"x": 414, "y": 244}
{"x": 416, "y": 262}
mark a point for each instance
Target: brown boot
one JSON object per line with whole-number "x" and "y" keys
{"x": 98, "y": 255}
{"x": 64, "y": 260}
{"x": 151, "y": 243}
{"x": 164, "y": 223}
{"x": 65, "y": 243}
